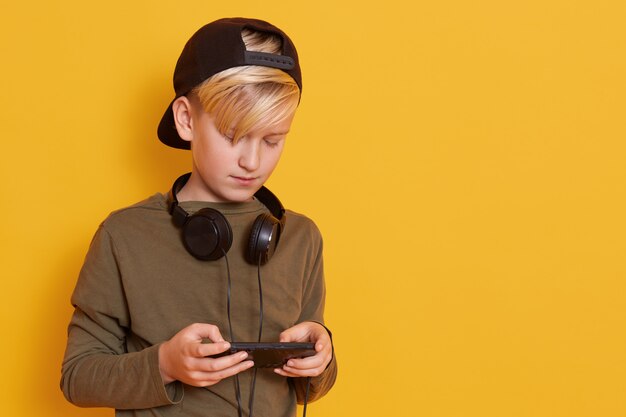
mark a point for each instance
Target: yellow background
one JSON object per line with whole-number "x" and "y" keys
{"x": 463, "y": 159}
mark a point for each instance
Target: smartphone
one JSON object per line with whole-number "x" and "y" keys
{"x": 270, "y": 355}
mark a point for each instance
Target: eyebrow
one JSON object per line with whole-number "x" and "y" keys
{"x": 278, "y": 134}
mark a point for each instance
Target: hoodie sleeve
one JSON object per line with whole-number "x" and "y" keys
{"x": 314, "y": 295}
{"x": 97, "y": 370}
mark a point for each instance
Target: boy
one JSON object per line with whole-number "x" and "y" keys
{"x": 167, "y": 281}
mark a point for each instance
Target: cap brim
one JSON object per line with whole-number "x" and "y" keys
{"x": 167, "y": 131}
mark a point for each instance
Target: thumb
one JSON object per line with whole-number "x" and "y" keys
{"x": 203, "y": 332}
{"x": 297, "y": 333}
{"x": 285, "y": 336}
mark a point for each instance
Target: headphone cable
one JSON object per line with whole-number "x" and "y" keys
{"x": 232, "y": 337}
{"x": 230, "y": 328}
{"x": 258, "y": 269}
{"x": 253, "y": 386}
{"x": 306, "y": 395}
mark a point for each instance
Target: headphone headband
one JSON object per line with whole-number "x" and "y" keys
{"x": 264, "y": 195}
{"x": 265, "y": 233}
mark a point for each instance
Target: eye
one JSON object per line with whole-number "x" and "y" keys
{"x": 272, "y": 143}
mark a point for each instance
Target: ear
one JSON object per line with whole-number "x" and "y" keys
{"x": 183, "y": 118}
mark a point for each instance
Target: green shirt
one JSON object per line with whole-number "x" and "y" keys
{"x": 138, "y": 287}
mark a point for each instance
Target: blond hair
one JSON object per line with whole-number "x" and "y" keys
{"x": 241, "y": 98}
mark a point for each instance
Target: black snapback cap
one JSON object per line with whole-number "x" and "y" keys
{"x": 216, "y": 47}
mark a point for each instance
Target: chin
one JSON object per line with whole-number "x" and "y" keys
{"x": 239, "y": 197}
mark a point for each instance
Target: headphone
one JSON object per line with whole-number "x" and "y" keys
{"x": 207, "y": 234}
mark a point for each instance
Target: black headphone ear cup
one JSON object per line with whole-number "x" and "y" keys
{"x": 207, "y": 234}
{"x": 263, "y": 239}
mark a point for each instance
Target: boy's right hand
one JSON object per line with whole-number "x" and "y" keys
{"x": 184, "y": 357}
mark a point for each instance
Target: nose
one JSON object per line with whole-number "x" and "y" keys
{"x": 250, "y": 154}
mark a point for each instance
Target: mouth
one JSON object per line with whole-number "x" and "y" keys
{"x": 244, "y": 180}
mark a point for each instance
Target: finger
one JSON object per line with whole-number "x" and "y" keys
{"x": 206, "y": 378}
{"x": 299, "y": 373}
{"x": 213, "y": 333}
{"x": 321, "y": 341}
{"x": 203, "y": 349}
{"x": 305, "y": 363}
{"x": 202, "y": 331}
{"x": 295, "y": 335}
{"x": 307, "y": 331}
{"x": 322, "y": 356}
{"x": 286, "y": 336}
{"x": 282, "y": 372}
{"x": 310, "y": 366}
{"x": 209, "y": 364}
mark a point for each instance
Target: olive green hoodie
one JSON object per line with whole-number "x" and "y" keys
{"x": 138, "y": 287}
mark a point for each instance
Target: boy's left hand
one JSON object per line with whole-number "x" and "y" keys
{"x": 310, "y": 332}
